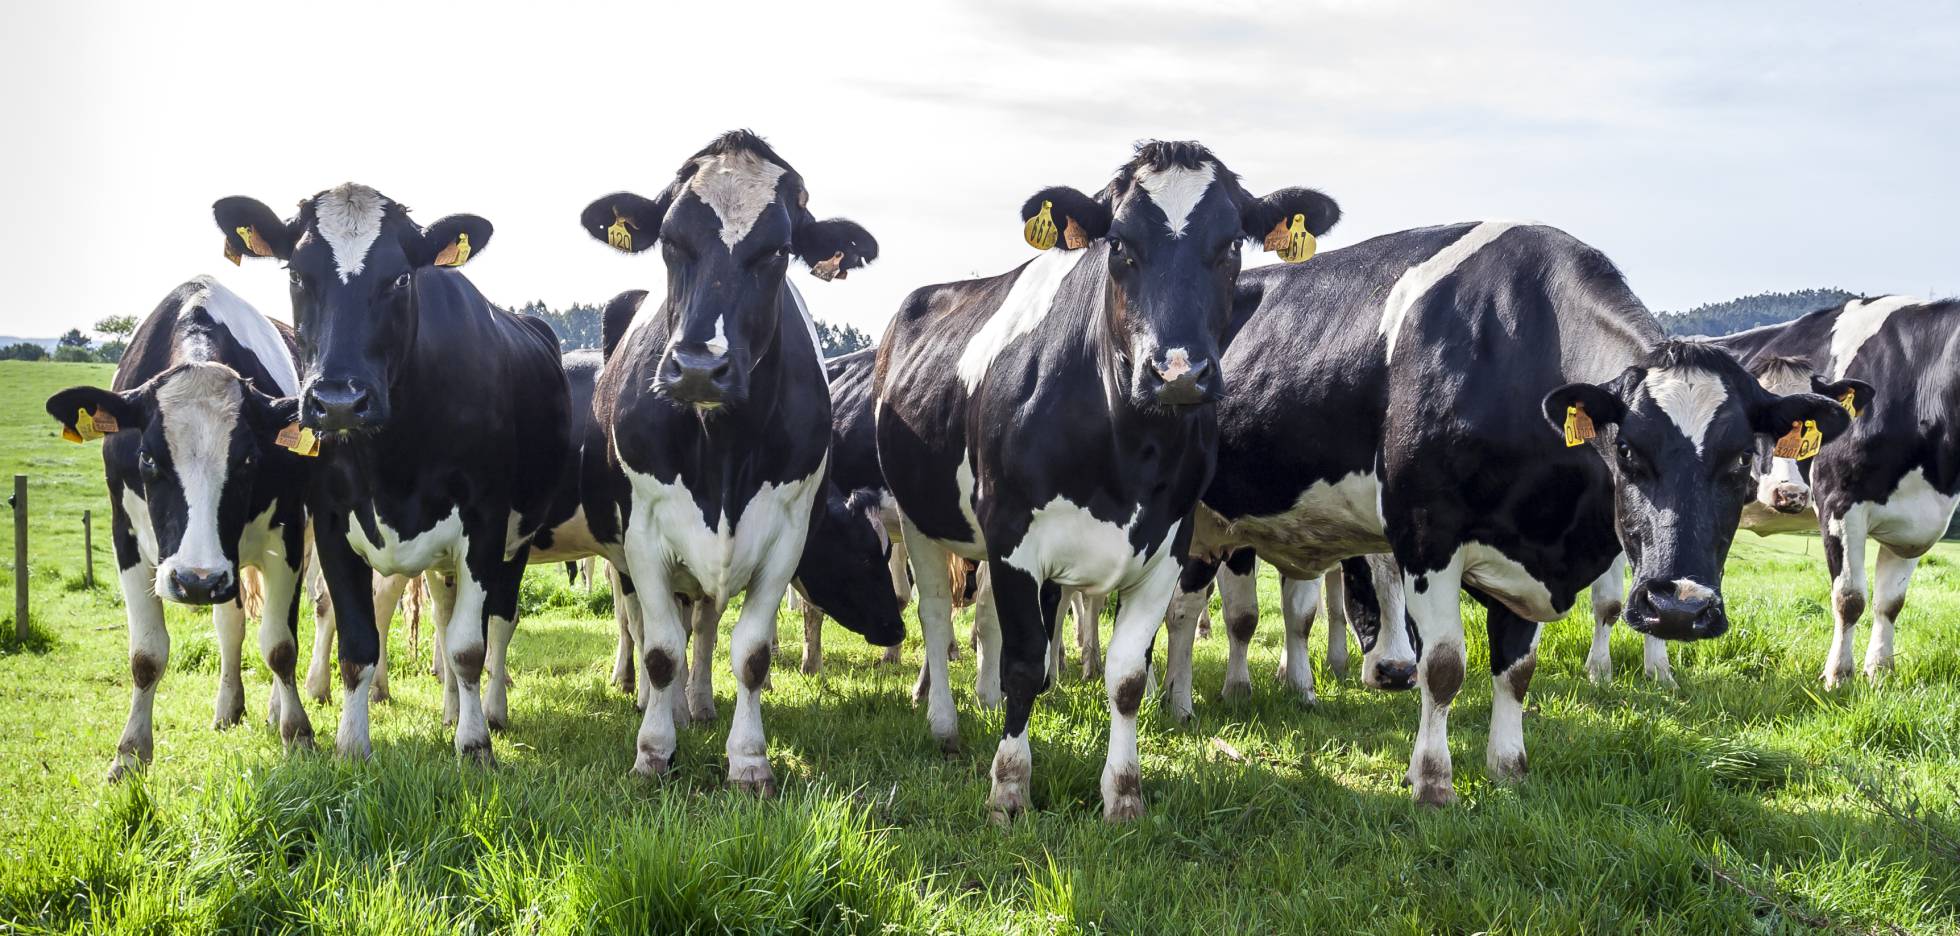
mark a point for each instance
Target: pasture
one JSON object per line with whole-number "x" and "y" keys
{"x": 1748, "y": 800}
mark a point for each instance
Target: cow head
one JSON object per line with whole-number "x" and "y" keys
{"x": 353, "y": 256}
{"x": 1679, "y": 431}
{"x": 1371, "y": 593}
{"x": 189, "y": 445}
{"x": 727, "y": 226}
{"x": 1782, "y": 481}
{"x": 844, "y": 568}
{"x": 1171, "y": 222}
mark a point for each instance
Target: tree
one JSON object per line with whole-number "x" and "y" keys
{"x": 70, "y": 354}
{"x": 74, "y": 339}
{"x": 111, "y": 352}
{"x": 117, "y": 326}
{"x": 840, "y": 339}
{"x": 24, "y": 351}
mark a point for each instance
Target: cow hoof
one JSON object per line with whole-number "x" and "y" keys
{"x": 300, "y": 739}
{"x": 891, "y": 656}
{"x": 477, "y": 753}
{"x": 949, "y": 745}
{"x": 1599, "y": 671}
{"x": 1339, "y": 670}
{"x": 1665, "y": 677}
{"x": 1007, "y": 803}
{"x": 1307, "y": 698}
{"x": 1435, "y": 795}
{"x": 811, "y": 666}
{"x": 701, "y": 710}
{"x": 1235, "y": 689}
{"x": 1125, "y": 808}
{"x": 1507, "y": 767}
{"x": 230, "y": 709}
{"x": 122, "y": 765}
{"x": 651, "y": 766}
{"x": 316, "y": 686}
{"x": 353, "y": 748}
{"x": 988, "y": 699}
{"x": 379, "y": 693}
{"x": 753, "y": 778}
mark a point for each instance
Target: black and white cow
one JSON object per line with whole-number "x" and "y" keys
{"x": 1393, "y": 396}
{"x": 199, "y": 491}
{"x": 1894, "y": 477}
{"x": 1057, "y": 422}
{"x": 444, "y": 424}
{"x": 719, "y": 420}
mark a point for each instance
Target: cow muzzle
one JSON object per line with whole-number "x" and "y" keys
{"x": 1176, "y": 378}
{"x": 1789, "y": 498}
{"x": 699, "y": 376}
{"x": 1681, "y": 609}
{"x": 200, "y": 586}
{"x": 344, "y": 405}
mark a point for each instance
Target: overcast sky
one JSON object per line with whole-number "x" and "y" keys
{"x": 1711, "y": 149}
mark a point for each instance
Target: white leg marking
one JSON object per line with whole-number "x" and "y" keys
{"x": 228, "y": 620}
{"x": 466, "y": 648}
{"x": 1137, "y": 619}
{"x": 1609, "y": 594}
{"x": 1182, "y": 613}
{"x": 1333, "y": 590}
{"x": 277, "y": 640}
{"x": 1439, "y": 619}
{"x": 704, "y": 628}
{"x": 1888, "y": 599}
{"x": 1238, "y": 598}
{"x": 986, "y": 632}
{"x": 149, "y": 656}
{"x": 1848, "y": 594}
{"x": 1298, "y": 601}
{"x": 936, "y": 629}
{"x": 388, "y": 591}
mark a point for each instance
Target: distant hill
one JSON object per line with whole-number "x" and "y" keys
{"x": 1734, "y": 315}
{"x": 47, "y": 343}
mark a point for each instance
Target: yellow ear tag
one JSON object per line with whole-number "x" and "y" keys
{"x": 1802, "y": 442}
{"x": 456, "y": 254}
{"x": 1850, "y": 402}
{"x": 1040, "y": 230}
{"x": 299, "y": 440}
{"x": 1578, "y": 426}
{"x": 617, "y": 236}
{"x": 249, "y": 236}
{"x": 1294, "y": 243}
{"x": 91, "y": 427}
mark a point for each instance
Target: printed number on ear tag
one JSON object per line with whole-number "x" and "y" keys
{"x": 1802, "y": 442}
{"x": 1293, "y": 242}
{"x": 1040, "y": 230}
{"x": 1578, "y": 426}
{"x": 298, "y": 440}
{"x": 1850, "y": 402}
{"x": 456, "y": 254}
{"x": 617, "y": 235}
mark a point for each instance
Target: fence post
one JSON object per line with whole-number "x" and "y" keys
{"x": 88, "y": 550}
{"x": 20, "y": 557}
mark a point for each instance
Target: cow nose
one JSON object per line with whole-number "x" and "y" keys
{"x": 338, "y": 406}
{"x": 1181, "y": 380}
{"x": 202, "y": 586}
{"x": 697, "y": 376}
{"x": 1790, "y": 498}
{"x": 1681, "y": 609}
{"x": 1395, "y": 675}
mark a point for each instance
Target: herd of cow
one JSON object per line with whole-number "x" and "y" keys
{"x": 1483, "y": 408}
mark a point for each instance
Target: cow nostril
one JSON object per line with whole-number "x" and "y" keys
{"x": 720, "y": 370}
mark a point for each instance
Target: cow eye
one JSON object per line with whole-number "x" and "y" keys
{"x": 1630, "y": 460}
{"x": 402, "y": 281}
{"x": 147, "y": 466}
{"x": 298, "y": 281}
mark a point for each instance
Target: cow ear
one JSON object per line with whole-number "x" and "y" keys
{"x": 1854, "y": 395}
{"x": 1289, "y": 220}
{"x": 833, "y": 247}
{"x": 451, "y": 241}
{"x": 1575, "y": 409}
{"x": 269, "y": 414}
{"x": 1777, "y": 415}
{"x": 89, "y": 413}
{"x": 624, "y": 221}
{"x": 252, "y": 230}
{"x": 1062, "y": 215}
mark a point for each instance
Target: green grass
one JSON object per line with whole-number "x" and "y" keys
{"x": 1638, "y": 795}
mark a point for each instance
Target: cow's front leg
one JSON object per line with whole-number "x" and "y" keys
{"x": 1129, "y": 664}
{"x": 228, "y": 620}
{"x": 442, "y": 595}
{"x": 932, "y": 575}
{"x": 749, "y": 657}
{"x": 1609, "y": 595}
{"x": 705, "y": 628}
{"x": 1844, "y": 554}
{"x": 812, "y": 638}
{"x": 351, "y": 583}
{"x": 1027, "y": 613}
{"x": 987, "y": 689}
{"x": 149, "y": 655}
{"x": 1513, "y": 658}
{"x": 1181, "y": 624}
{"x": 625, "y": 672}
{"x": 1432, "y": 601}
{"x": 1238, "y": 598}
{"x": 500, "y": 624}
{"x": 279, "y": 647}
{"x": 319, "y": 672}
{"x": 1298, "y": 603}
{"x": 1888, "y": 599}
{"x": 388, "y": 591}
{"x": 465, "y": 644}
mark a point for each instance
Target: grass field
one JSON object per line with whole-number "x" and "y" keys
{"x": 1748, "y": 800}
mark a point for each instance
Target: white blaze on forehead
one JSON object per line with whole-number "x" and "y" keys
{"x": 736, "y": 186}
{"x": 1690, "y": 397}
{"x": 349, "y": 218}
{"x": 1857, "y": 323}
{"x": 1177, "y": 191}
{"x": 249, "y": 328}
{"x": 200, "y": 407}
{"x": 1027, "y": 303}
{"x": 1419, "y": 279}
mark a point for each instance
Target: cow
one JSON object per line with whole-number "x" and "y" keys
{"x": 200, "y": 489}
{"x": 1894, "y": 478}
{"x": 1057, "y": 421}
{"x": 718, "y": 420}
{"x": 444, "y": 424}
{"x": 1490, "y": 404}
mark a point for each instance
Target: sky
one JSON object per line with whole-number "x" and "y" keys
{"x": 1712, "y": 150}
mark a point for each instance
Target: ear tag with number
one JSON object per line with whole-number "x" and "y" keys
{"x": 298, "y": 440}
{"x": 92, "y": 426}
{"x": 456, "y": 254}
{"x": 1578, "y": 426}
{"x": 617, "y": 236}
{"x": 249, "y": 236}
{"x": 1850, "y": 402}
{"x": 1802, "y": 442}
{"x": 1040, "y": 230}
{"x": 1293, "y": 242}
{"x": 1074, "y": 237}
{"x": 831, "y": 269}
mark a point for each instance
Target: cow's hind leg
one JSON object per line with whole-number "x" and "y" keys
{"x": 705, "y": 629}
{"x": 987, "y": 688}
{"x": 319, "y": 671}
{"x": 1844, "y": 554}
{"x": 1432, "y": 601}
{"x": 1513, "y": 658}
{"x": 929, "y": 564}
{"x": 749, "y": 658}
{"x": 228, "y": 620}
{"x": 812, "y": 638}
{"x": 1609, "y": 593}
{"x": 1333, "y": 598}
{"x": 388, "y": 590}
{"x": 279, "y": 646}
{"x": 1298, "y": 600}
{"x": 624, "y": 671}
{"x": 500, "y": 625}
{"x": 1238, "y": 599}
{"x": 1888, "y": 599}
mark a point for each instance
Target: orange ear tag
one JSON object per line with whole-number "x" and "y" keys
{"x": 298, "y": 440}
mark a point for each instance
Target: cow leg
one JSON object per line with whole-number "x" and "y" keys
{"x": 388, "y": 591}
{"x": 351, "y": 583}
{"x": 1298, "y": 601}
{"x": 465, "y": 643}
{"x": 705, "y": 629}
{"x": 929, "y": 565}
{"x": 987, "y": 688}
{"x": 1844, "y": 554}
{"x": 1609, "y": 594}
{"x": 412, "y": 607}
{"x": 499, "y": 627}
{"x": 1088, "y": 634}
{"x": 1129, "y": 664}
{"x": 1071, "y": 604}
{"x": 663, "y": 641}
{"x": 1432, "y": 601}
{"x": 442, "y": 598}
{"x": 1238, "y": 599}
{"x": 1182, "y": 611}
{"x": 1333, "y": 598}
{"x": 812, "y": 639}
{"x": 318, "y": 672}
{"x": 1026, "y": 613}
{"x": 149, "y": 655}
{"x": 1513, "y": 658}
{"x": 228, "y": 619}
{"x": 1654, "y": 661}
{"x": 749, "y": 658}
{"x": 1889, "y": 598}
{"x": 279, "y": 647}
{"x": 623, "y": 669}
